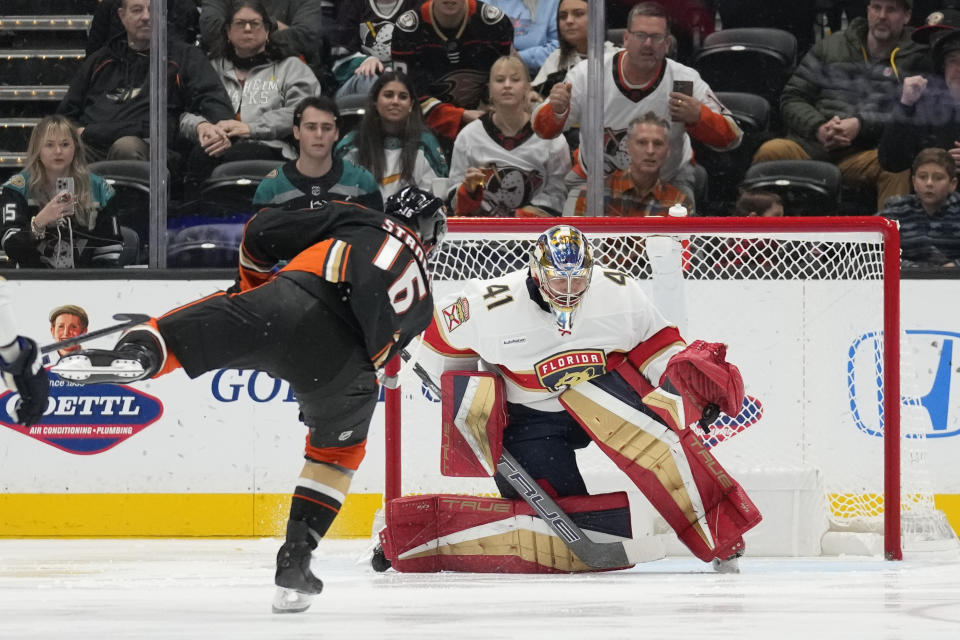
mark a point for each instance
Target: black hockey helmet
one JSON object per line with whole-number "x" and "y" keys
{"x": 422, "y": 211}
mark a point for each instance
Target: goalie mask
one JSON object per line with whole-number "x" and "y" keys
{"x": 561, "y": 265}
{"x": 421, "y": 211}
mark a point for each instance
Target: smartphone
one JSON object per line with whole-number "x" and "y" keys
{"x": 683, "y": 86}
{"x": 66, "y": 184}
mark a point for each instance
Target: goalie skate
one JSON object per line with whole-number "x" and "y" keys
{"x": 94, "y": 366}
{"x": 731, "y": 564}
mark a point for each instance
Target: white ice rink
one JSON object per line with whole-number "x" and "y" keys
{"x": 221, "y": 590}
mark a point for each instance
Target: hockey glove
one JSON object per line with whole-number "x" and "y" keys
{"x": 702, "y": 376}
{"x": 26, "y": 376}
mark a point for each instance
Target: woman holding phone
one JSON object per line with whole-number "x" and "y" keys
{"x": 56, "y": 214}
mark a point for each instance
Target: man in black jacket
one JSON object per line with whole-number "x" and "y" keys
{"x": 109, "y": 98}
{"x": 837, "y": 101}
{"x": 928, "y": 113}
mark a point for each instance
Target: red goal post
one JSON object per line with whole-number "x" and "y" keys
{"x": 729, "y": 262}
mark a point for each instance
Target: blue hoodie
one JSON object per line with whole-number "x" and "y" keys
{"x": 534, "y": 36}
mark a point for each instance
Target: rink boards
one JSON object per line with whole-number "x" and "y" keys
{"x": 219, "y": 455}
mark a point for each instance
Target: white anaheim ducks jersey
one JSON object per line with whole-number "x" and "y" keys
{"x": 622, "y": 103}
{"x": 498, "y": 324}
{"x": 521, "y": 170}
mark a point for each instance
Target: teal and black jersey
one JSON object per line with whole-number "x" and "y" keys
{"x": 285, "y": 187}
{"x": 89, "y": 238}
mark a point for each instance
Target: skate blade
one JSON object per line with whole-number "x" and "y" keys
{"x": 80, "y": 369}
{"x": 291, "y": 601}
{"x": 730, "y": 565}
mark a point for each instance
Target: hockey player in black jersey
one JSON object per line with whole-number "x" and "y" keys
{"x": 355, "y": 290}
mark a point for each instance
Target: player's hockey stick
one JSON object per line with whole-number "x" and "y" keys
{"x": 128, "y": 320}
{"x": 598, "y": 555}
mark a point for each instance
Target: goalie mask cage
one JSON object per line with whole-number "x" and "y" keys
{"x": 810, "y": 310}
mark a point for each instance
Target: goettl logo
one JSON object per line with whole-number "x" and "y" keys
{"x": 927, "y": 383}
{"x": 86, "y": 419}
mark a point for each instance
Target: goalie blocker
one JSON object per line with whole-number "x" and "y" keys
{"x": 707, "y": 509}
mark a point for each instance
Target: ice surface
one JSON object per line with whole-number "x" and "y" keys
{"x": 222, "y": 589}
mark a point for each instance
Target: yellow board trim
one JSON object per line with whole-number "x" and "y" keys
{"x": 163, "y": 515}
{"x": 100, "y": 515}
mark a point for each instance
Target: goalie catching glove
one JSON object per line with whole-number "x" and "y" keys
{"x": 25, "y": 375}
{"x": 702, "y": 376}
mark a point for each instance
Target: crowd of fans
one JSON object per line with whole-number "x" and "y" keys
{"x": 450, "y": 107}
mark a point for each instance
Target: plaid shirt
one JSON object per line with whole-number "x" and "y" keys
{"x": 621, "y": 198}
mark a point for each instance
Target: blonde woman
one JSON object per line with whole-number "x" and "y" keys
{"x": 500, "y": 167}
{"x": 56, "y": 214}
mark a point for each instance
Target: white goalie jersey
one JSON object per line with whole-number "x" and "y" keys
{"x": 500, "y": 325}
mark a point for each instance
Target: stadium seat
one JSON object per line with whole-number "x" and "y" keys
{"x": 807, "y": 187}
{"x": 798, "y": 17}
{"x": 748, "y": 60}
{"x": 130, "y": 180}
{"x": 615, "y": 36}
{"x": 727, "y": 168}
{"x": 233, "y": 184}
{"x": 131, "y": 248}
{"x": 352, "y": 108}
{"x": 205, "y": 245}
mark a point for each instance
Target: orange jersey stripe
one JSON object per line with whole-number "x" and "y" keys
{"x": 343, "y": 264}
{"x": 171, "y": 363}
{"x": 322, "y": 504}
{"x": 349, "y": 456}
{"x": 312, "y": 259}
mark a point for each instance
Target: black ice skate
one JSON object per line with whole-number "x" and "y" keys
{"x": 137, "y": 356}
{"x": 296, "y": 583}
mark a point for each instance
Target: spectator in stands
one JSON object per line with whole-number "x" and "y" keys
{"x": 49, "y": 222}
{"x": 370, "y": 25}
{"x": 534, "y": 29}
{"x": 928, "y": 112}
{"x": 572, "y": 20}
{"x": 930, "y": 219}
{"x": 836, "y": 103}
{"x": 690, "y": 22}
{"x": 447, "y": 48}
{"x": 392, "y": 141}
{"x": 182, "y": 21}
{"x": 265, "y": 85}
{"x": 67, "y": 321}
{"x": 110, "y": 99}
{"x": 643, "y": 79}
{"x": 299, "y": 24}
{"x": 317, "y": 176}
{"x": 638, "y": 190}
{"x": 502, "y": 167}
{"x": 759, "y": 204}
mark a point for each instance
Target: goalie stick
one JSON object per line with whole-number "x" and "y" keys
{"x": 128, "y": 320}
{"x": 597, "y": 555}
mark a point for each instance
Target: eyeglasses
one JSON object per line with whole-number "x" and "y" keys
{"x": 243, "y": 24}
{"x": 643, "y": 36}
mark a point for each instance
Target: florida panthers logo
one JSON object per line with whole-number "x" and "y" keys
{"x": 507, "y": 189}
{"x": 570, "y": 368}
